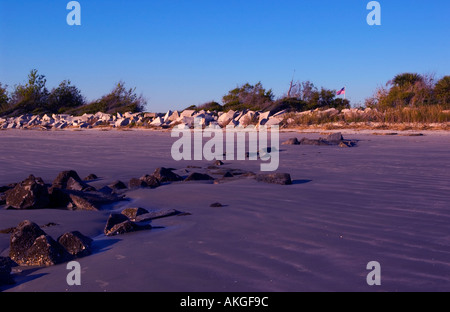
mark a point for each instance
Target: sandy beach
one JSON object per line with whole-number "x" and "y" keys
{"x": 385, "y": 200}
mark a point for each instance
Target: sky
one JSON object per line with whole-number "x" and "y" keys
{"x": 187, "y": 52}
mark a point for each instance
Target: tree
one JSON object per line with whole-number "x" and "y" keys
{"x": 210, "y": 106}
{"x": 119, "y": 100}
{"x": 247, "y": 96}
{"x": 442, "y": 91}
{"x": 31, "y": 97}
{"x": 4, "y": 98}
{"x": 64, "y": 97}
{"x": 405, "y": 80}
{"x": 407, "y": 89}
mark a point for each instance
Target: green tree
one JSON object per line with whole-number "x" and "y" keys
{"x": 31, "y": 97}
{"x": 407, "y": 89}
{"x": 442, "y": 91}
{"x": 64, "y": 97}
{"x": 119, "y": 100}
{"x": 4, "y": 98}
{"x": 248, "y": 96}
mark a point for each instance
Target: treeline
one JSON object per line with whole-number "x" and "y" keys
{"x": 411, "y": 90}
{"x": 34, "y": 97}
{"x": 404, "y": 90}
{"x": 300, "y": 97}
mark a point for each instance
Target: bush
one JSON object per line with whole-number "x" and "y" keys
{"x": 4, "y": 98}
{"x": 31, "y": 97}
{"x": 247, "y": 96}
{"x": 64, "y": 98}
{"x": 442, "y": 91}
{"x": 119, "y": 100}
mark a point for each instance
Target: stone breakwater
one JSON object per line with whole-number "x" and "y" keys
{"x": 187, "y": 118}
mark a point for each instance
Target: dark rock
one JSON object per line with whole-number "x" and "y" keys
{"x": 132, "y": 213}
{"x": 31, "y": 193}
{"x": 195, "y": 176}
{"x": 320, "y": 141}
{"x": 166, "y": 175}
{"x": 347, "y": 143}
{"x": 5, "y": 271}
{"x": 150, "y": 181}
{"x": 157, "y": 215}
{"x": 45, "y": 251}
{"x": 114, "y": 218}
{"x": 228, "y": 174}
{"x": 216, "y": 205}
{"x": 70, "y": 180}
{"x": 22, "y": 238}
{"x": 63, "y": 177}
{"x": 30, "y": 245}
{"x": 58, "y": 198}
{"x": 135, "y": 182}
{"x": 118, "y": 185}
{"x": 106, "y": 190}
{"x": 218, "y": 163}
{"x": 74, "y": 185}
{"x": 120, "y": 224}
{"x": 92, "y": 201}
{"x": 76, "y": 244}
{"x": 335, "y": 137}
{"x": 90, "y": 177}
{"x": 291, "y": 141}
{"x": 275, "y": 178}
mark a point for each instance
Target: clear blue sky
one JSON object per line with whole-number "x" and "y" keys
{"x": 183, "y": 52}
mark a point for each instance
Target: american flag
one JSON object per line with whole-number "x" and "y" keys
{"x": 342, "y": 91}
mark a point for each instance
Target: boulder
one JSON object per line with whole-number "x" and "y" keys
{"x": 68, "y": 179}
{"x": 120, "y": 224}
{"x": 31, "y": 193}
{"x": 76, "y": 244}
{"x": 195, "y": 176}
{"x": 30, "y": 245}
{"x": 320, "y": 141}
{"x": 91, "y": 201}
{"x": 157, "y": 215}
{"x": 58, "y": 198}
{"x": 150, "y": 181}
{"x": 166, "y": 175}
{"x": 275, "y": 178}
{"x": 187, "y": 113}
{"x": 91, "y": 177}
{"x": 122, "y": 122}
{"x": 335, "y": 137}
{"x": 132, "y": 213}
{"x": 158, "y": 121}
{"x": 118, "y": 185}
{"x": 291, "y": 141}
{"x": 45, "y": 251}
{"x": 136, "y": 183}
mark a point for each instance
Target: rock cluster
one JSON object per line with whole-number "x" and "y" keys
{"x": 185, "y": 118}
{"x": 67, "y": 191}
{"x": 331, "y": 139}
{"x": 31, "y": 246}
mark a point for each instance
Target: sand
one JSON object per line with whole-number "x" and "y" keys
{"x": 386, "y": 200}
